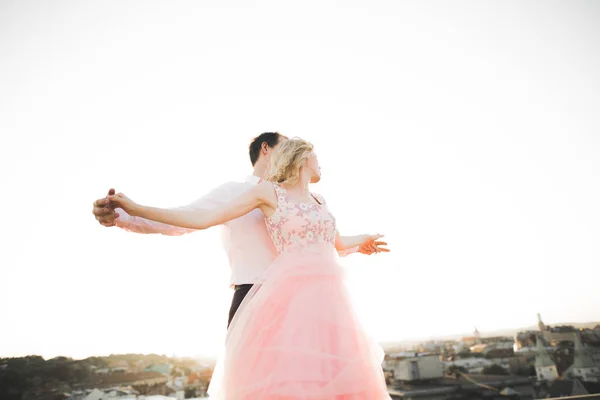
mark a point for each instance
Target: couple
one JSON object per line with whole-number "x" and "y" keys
{"x": 295, "y": 335}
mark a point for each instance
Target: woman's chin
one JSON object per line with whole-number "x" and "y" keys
{"x": 315, "y": 179}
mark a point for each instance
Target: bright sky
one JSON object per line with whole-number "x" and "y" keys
{"x": 467, "y": 132}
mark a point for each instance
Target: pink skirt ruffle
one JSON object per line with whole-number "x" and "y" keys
{"x": 296, "y": 337}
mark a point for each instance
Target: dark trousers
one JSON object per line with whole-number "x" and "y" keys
{"x": 240, "y": 292}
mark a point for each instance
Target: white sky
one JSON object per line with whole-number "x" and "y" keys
{"x": 467, "y": 132}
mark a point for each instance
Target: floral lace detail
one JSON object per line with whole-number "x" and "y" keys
{"x": 296, "y": 224}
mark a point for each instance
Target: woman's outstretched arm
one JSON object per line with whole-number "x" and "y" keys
{"x": 365, "y": 244}
{"x": 347, "y": 242}
{"x": 261, "y": 196}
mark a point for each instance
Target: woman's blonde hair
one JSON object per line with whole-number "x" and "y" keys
{"x": 288, "y": 157}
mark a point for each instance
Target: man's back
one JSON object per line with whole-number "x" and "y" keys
{"x": 245, "y": 240}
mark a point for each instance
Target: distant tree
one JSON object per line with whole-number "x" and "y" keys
{"x": 464, "y": 354}
{"x": 177, "y": 372}
{"x": 97, "y": 362}
{"x": 11, "y": 382}
{"x": 190, "y": 392}
{"x": 60, "y": 360}
{"x": 80, "y": 373}
{"x": 60, "y": 372}
{"x": 526, "y": 370}
{"x": 494, "y": 369}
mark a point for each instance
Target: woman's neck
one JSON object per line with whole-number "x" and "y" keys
{"x": 300, "y": 188}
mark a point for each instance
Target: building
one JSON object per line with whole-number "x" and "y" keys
{"x": 408, "y": 368}
{"x": 431, "y": 347}
{"x": 541, "y": 326}
{"x": 469, "y": 341}
{"x": 120, "y": 393}
{"x": 583, "y": 366}
{"x": 164, "y": 369}
{"x": 544, "y": 366}
{"x": 581, "y": 378}
{"x": 487, "y": 387}
{"x": 525, "y": 341}
{"x": 555, "y": 334}
{"x": 567, "y": 387}
{"x": 591, "y": 336}
{"x": 472, "y": 365}
{"x": 494, "y": 349}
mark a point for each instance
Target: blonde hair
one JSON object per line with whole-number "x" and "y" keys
{"x": 287, "y": 159}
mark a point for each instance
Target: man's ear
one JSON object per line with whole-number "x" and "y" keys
{"x": 264, "y": 148}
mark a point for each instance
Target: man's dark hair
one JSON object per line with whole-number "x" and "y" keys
{"x": 270, "y": 138}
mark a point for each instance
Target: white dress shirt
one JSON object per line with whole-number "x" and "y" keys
{"x": 245, "y": 239}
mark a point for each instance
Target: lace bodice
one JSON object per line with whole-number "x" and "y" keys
{"x": 296, "y": 224}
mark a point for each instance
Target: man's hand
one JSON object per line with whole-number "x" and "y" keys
{"x": 104, "y": 211}
{"x": 373, "y": 247}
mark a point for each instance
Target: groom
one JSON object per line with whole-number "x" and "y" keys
{"x": 245, "y": 239}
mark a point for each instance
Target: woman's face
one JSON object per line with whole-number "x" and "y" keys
{"x": 313, "y": 168}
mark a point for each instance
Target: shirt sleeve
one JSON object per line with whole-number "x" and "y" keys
{"x": 213, "y": 199}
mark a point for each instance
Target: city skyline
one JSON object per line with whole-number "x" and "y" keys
{"x": 455, "y": 336}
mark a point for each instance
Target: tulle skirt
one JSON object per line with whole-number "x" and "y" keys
{"x": 295, "y": 336}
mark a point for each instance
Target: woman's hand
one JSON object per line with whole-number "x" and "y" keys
{"x": 373, "y": 246}
{"x": 123, "y": 202}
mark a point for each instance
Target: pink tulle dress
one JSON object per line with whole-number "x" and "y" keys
{"x": 295, "y": 336}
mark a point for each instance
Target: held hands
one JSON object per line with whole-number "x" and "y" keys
{"x": 104, "y": 212}
{"x": 373, "y": 246}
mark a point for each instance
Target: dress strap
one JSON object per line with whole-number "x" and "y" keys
{"x": 280, "y": 192}
{"x": 319, "y": 199}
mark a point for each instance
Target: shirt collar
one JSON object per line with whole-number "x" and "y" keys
{"x": 253, "y": 179}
